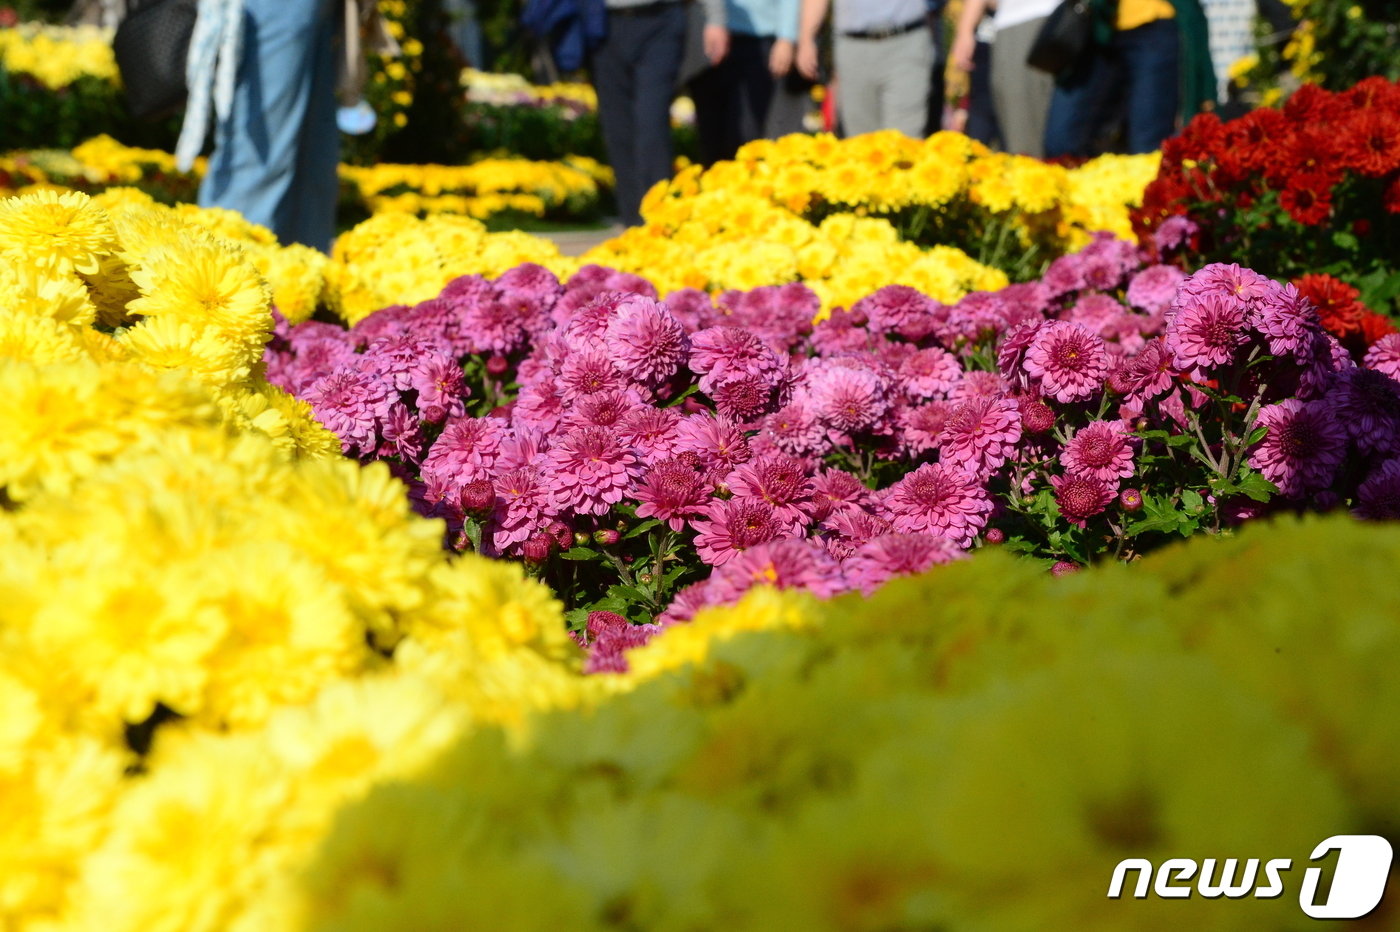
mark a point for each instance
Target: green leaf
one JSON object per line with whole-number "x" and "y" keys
{"x": 577, "y": 618}
{"x": 581, "y": 553}
{"x": 1256, "y": 486}
{"x": 1191, "y": 500}
{"x": 1177, "y": 441}
{"x": 641, "y": 529}
{"x": 1159, "y": 523}
{"x": 1256, "y": 435}
{"x": 626, "y": 593}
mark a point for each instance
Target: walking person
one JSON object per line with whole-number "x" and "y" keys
{"x": 634, "y": 72}
{"x": 1020, "y": 94}
{"x": 884, "y": 58}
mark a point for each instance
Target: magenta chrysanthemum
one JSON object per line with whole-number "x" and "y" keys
{"x": 437, "y": 378}
{"x": 1070, "y": 362}
{"x": 1206, "y": 332}
{"x": 1384, "y": 355}
{"x": 980, "y": 435}
{"x": 784, "y": 564}
{"x": 930, "y": 373}
{"x": 938, "y": 499}
{"x": 722, "y": 354}
{"x": 779, "y": 480}
{"x": 731, "y": 527}
{"x": 1287, "y": 320}
{"x": 847, "y": 399}
{"x": 672, "y": 491}
{"x": 1378, "y": 497}
{"x": 587, "y": 372}
{"x": 1304, "y": 446}
{"x": 883, "y": 558}
{"x": 1148, "y": 374}
{"x": 1153, "y": 289}
{"x": 898, "y": 309}
{"x": 590, "y": 469}
{"x": 794, "y": 429}
{"x": 1103, "y": 450}
{"x": 1081, "y": 497}
{"x": 464, "y": 452}
{"x": 1367, "y": 403}
{"x": 645, "y": 341}
{"x": 718, "y": 443}
{"x": 650, "y": 431}
{"x": 523, "y": 503}
{"x": 351, "y": 404}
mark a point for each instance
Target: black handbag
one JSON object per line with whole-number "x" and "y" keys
{"x": 151, "y": 45}
{"x": 1063, "y": 38}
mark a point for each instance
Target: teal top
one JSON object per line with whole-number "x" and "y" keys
{"x": 763, "y": 17}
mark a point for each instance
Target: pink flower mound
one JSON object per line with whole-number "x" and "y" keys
{"x": 590, "y": 470}
{"x": 1153, "y": 289}
{"x": 465, "y": 452}
{"x": 794, "y": 429}
{"x": 1070, "y": 362}
{"x": 351, "y": 405}
{"x": 980, "y": 435}
{"x": 1303, "y": 447}
{"x": 724, "y": 354}
{"x": 1102, "y": 450}
{"x": 779, "y": 480}
{"x": 1367, "y": 404}
{"x": 1384, "y": 355}
{"x": 899, "y": 309}
{"x": 784, "y": 564}
{"x": 731, "y": 527}
{"x": 645, "y": 341}
{"x": 1081, "y": 497}
{"x": 671, "y": 491}
{"x": 930, "y": 373}
{"x": 938, "y": 499}
{"x": 847, "y": 399}
{"x": 523, "y": 502}
{"x": 588, "y": 372}
{"x": 882, "y": 558}
{"x": 1206, "y": 332}
{"x": 1378, "y": 498}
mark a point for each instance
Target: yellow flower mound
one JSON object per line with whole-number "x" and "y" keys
{"x": 57, "y": 56}
{"x": 481, "y": 189}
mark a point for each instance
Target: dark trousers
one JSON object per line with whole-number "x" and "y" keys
{"x": 1137, "y": 76}
{"x": 982, "y": 122}
{"x": 733, "y": 98}
{"x": 634, "y": 73}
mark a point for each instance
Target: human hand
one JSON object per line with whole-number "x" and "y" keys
{"x": 807, "y": 58}
{"x": 780, "y": 59}
{"x": 716, "y": 41}
{"x": 961, "y": 53}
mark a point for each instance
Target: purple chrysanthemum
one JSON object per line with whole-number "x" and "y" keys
{"x": 779, "y": 480}
{"x": 611, "y": 637}
{"x": 1287, "y": 320}
{"x": 586, "y": 372}
{"x": 794, "y": 429}
{"x": 1081, "y": 497}
{"x": 464, "y": 452}
{"x": 539, "y": 405}
{"x": 603, "y": 409}
{"x": 693, "y": 308}
{"x": 731, "y": 527}
{"x": 1148, "y": 374}
{"x": 1384, "y": 355}
{"x": 1367, "y": 403}
{"x": 671, "y": 491}
{"x": 1070, "y": 362}
{"x": 921, "y": 425}
{"x": 590, "y": 469}
{"x": 437, "y": 378}
{"x": 650, "y": 431}
{"x": 938, "y": 499}
{"x": 1206, "y": 331}
{"x": 1174, "y": 232}
{"x": 848, "y": 399}
{"x": 1304, "y": 446}
{"x": 645, "y": 341}
{"x": 980, "y": 435}
{"x": 888, "y": 556}
{"x": 900, "y": 310}
{"x": 1101, "y": 449}
{"x": 836, "y": 490}
{"x": 743, "y": 400}
{"x": 1378, "y": 497}
{"x": 403, "y": 435}
{"x": 351, "y": 404}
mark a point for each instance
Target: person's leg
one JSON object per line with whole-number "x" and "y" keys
{"x": 257, "y": 163}
{"x": 613, "y": 79}
{"x": 754, "y": 85}
{"x": 657, "y": 66}
{"x": 1022, "y": 93}
{"x": 1152, "y": 62}
{"x": 310, "y": 216}
{"x": 906, "y": 73}
{"x": 858, "y": 97}
{"x": 710, "y": 90}
{"x": 1077, "y": 106}
{"x": 792, "y": 100}
{"x": 983, "y": 123}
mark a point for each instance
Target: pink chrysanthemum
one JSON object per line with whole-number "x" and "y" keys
{"x": 352, "y": 405}
{"x": 848, "y": 399}
{"x": 1174, "y": 232}
{"x": 591, "y": 470}
{"x": 587, "y": 372}
{"x": 980, "y": 435}
{"x": 743, "y": 400}
{"x": 1148, "y": 374}
{"x": 1011, "y": 351}
{"x": 975, "y": 316}
{"x": 731, "y": 527}
{"x": 1367, "y": 403}
{"x": 842, "y": 332}
{"x": 672, "y": 491}
{"x": 898, "y": 309}
{"x": 779, "y": 480}
{"x": 1103, "y": 450}
{"x": 719, "y": 443}
{"x": 437, "y": 378}
{"x": 1287, "y": 320}
{"x": 403, "y": 435}
{"x": 883, "y": 558}
{"x": 784, "y": 564}
{"x": 650, "y": 431}
{"x": 921, "y": 425}
{"x": 849, "y": 529}
{"x": 1378, "y": 497}
{"x": 523, "y": 506}
{"x": 794, "y": 429}
{"x": 392, "y": 359}
{"x": 493, "y": 325}
{"x": 930, "y": 373}
{"x": 723, "y": 354}
{"x": 693, "y": 308}
{"x": 1070, "y": 362}
{"x": 645, "y": 341}
{"x": 464, "y": 452}
{"x": 1238, "y": 285}
{"x": 1206, "y": 331}
{"x": 539, "y": 405}
{"x": 1384, "y": 355}
{"x": 938, "y": 499}
{"x": 611, "y": 639}
{"x": 1304, "y": 446}
{"x": 603, "y": 409}
{"x": 1081, "y": 497}
{"x": 1154, "y": 288}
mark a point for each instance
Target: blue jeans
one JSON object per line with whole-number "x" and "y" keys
{"x": 1140, "y": 71}
{"x": 275, "y": 156}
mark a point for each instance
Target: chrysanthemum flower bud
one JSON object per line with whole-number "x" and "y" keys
{"x": 1036, "y": 417}
{"x": 478, "y": 498}
{"x": 1130, "y": 500}
{"x": 1064, "y": 568}
{"x": 561, "y": 532}
{"x": 606, "y": 537}
{"x": 497, "y": 365}
{"x": 537, "y": 549}
{"x": 994, "y": 535}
